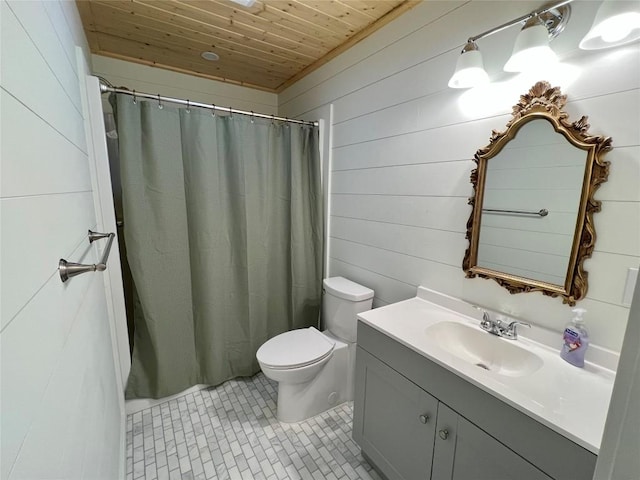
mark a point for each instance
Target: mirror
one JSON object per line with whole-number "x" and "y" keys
{"x": 531, "y": 225}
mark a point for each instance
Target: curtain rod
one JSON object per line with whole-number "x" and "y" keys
{"x": 104, "y": 88}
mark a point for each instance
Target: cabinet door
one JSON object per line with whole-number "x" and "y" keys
{"x": 464, "y": 452}
{"x": 396, "y": 420}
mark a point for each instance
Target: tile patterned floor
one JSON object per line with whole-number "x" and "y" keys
{"x": 230, "y": 432}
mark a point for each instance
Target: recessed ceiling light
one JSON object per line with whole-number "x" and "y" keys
{"x": 244, "y": 3}
{"x": 211, "y": 56}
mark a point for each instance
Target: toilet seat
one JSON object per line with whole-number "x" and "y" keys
{"x": 295, "y": 349}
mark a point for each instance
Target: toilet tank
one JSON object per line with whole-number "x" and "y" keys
{"x": 341, "y": 302}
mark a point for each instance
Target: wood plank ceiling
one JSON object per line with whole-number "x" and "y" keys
{"x": 269, "y": 45}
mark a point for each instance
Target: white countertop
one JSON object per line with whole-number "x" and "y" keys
{"x": 571, "y": 401}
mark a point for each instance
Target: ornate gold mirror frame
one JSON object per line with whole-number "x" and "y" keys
{"x": 543, "y": 102}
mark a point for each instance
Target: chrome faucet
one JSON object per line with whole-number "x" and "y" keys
{"x": 500, "y": 327}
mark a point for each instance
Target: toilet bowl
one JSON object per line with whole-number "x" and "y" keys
{"x": 314, "y": 369}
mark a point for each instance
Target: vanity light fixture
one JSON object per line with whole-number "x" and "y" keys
{"x": 530, "y": 51}
{"x": 616, "y": 23}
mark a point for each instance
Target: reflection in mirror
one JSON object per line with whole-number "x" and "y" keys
{"x": 531, "y": 227}
{"x": 523, "y": 179}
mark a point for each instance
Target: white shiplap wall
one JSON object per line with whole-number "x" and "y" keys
{"x": 402, "y": 144}
{"x": 178, "y": 85}
{"x": 62, "y": 407}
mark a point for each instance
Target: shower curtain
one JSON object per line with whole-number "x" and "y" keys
{"x": 223, "y": 227}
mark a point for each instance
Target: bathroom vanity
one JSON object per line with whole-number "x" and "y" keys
{"x": 437, "y": 398}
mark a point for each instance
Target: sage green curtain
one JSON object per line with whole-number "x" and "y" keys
{"x": 223, "y": 227}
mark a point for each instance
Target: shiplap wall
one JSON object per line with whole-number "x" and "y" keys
{"x": 402, "y": 144}
{"x": 171, "y": 84}
{"x": 62, "y": 409}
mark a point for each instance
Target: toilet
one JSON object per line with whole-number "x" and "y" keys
{"x": 314, "y": 369}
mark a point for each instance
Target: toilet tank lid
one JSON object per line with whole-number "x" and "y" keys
{"x": 344, "y": 288}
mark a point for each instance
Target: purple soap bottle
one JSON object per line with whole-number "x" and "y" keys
{"x": 575, "y": 339}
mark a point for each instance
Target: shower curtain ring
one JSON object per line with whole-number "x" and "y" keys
{"x": 213, "y": 111}
{"x": 135, "y": 100}
{"x": 273, "y": 118}
{"x": 160, "y": 106}
{"x": 188, "y": 107}
{"x": 230, "y": 112}
{"x": 251, "y": 116}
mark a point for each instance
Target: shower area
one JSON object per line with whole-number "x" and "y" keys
{"x": 220, "y": 226}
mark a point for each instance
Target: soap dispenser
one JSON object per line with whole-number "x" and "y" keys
{"x": 575, "y": 339}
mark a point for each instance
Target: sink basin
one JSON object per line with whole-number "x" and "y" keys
{"x": 483, "y": 349}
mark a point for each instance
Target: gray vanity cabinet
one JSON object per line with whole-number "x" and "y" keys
{"x": 408, "y": 434}
{"x": 415, "y": 420}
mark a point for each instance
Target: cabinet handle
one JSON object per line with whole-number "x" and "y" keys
{"x": 424, "y": 418}
{"x": 444, "y": 434}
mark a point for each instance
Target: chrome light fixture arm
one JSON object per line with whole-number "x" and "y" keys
{"x": 554, "y": 31}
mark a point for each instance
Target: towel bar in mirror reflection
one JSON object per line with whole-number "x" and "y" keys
{"x": 543, "y": 212}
